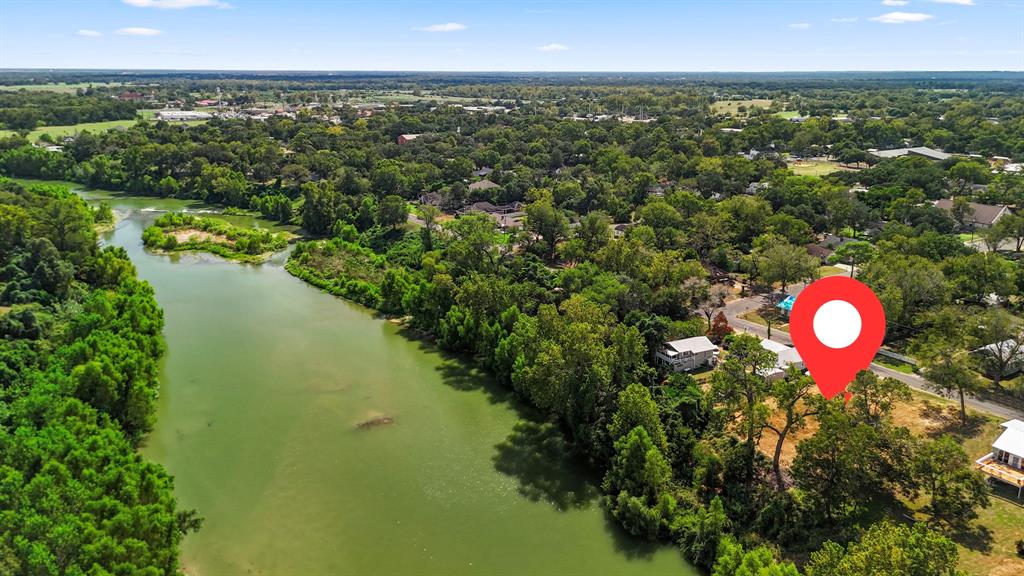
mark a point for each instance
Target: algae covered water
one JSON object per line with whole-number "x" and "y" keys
{"x": 317, "y": 439}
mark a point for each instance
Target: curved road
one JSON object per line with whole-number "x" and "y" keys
{"x": 734, "y": 308}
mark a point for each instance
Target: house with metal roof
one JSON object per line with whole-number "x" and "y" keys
{"x": 919, "y": 151}
{"x": 1006, "y": 460}
{"x": 688, "y": 354}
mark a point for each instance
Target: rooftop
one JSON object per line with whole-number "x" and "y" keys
{"x": 924, "y": 151}
{"x": 983, "y": 213}
{"x": 1012, "y": 438}
{"x": 694, "y": 345}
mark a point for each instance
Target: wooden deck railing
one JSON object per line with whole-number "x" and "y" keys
{"x": 1000, "y": 471}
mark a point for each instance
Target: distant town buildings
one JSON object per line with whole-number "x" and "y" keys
{"x": 182, "y": 115}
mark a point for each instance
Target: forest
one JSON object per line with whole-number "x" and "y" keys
{"x": 627, "y": 228}
{"x": 79, "y": 345}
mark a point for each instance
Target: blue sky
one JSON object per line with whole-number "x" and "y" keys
{"x": 578, "y": 35}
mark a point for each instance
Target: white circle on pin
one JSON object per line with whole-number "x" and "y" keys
{"x": 837, "y": 324}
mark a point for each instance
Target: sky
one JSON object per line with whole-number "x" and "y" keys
{"x": 486, "y": 35}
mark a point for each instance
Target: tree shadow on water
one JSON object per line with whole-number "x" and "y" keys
{"x": 461, "y": 374}
{"x": 539, "y": 458}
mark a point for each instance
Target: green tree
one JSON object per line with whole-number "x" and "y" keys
{"x": 945, "y": 473}
{"x": 886, "y": 549}
{"x": 741, "y": 386}
{"x": 785, "y": 263}
{"x": 636, "y": 407}
{"x": 853, "y": 254}
{"x": 392, "y": 211}
{"x": 548, "y": 222}
{"x": 794, "y": 396}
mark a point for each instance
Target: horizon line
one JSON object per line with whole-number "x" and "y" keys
{"x": 409, "y": 71}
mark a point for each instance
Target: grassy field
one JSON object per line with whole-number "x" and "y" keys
{"x": 788, "y": 114}
{"x": 988, "y": 549}
{"x": 894, "y": 364}
{"x": 815, "y": 167}
{"x": 830, "y": 271}
{"x": 58, "y": 87}
{"x": 732, "y": 106}
{"x": 61, "y": 131}
{"x": 756, "y": 318}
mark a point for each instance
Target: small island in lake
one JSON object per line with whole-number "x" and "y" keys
{"x": 174, "y": 232}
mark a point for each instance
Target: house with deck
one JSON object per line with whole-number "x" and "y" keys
{"x": 688, "y": 354}
{"x": 1005, "y": 462}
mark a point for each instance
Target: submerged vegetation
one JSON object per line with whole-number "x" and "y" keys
{"x": 185, "y": 232}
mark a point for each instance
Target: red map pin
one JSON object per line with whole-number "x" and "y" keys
{"x": 837, "y": 325}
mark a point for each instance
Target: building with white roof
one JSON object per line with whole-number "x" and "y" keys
{"x": 786, "y": 356}
{"x": 688, "y": 354}
{"x": 1006, "y": 460}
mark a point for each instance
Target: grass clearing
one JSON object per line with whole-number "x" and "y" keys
{"x": 732, "y": 107}
{"x": 756, "y": 318}
{"x": 56, "y": 87}
{"x": 894, "y": 364}
{"x": 830, "y": 271}
{"x": 816, "y": 167}
{"x": 988, "y": 549}
{"x": 787, "y": 114}
{"x": 57, "y": 132}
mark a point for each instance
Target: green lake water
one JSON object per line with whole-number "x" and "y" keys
{"x": 264, "y": 384}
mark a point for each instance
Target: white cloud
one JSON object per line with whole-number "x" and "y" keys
{"x": 139, "y": 32}
{"x": 176, "y": 4}
{"x": 446, "y": 27}
{"x": 553, "y": 48}
{"x": 843, "y": 20}
{"x": 902, "y": 17}
{"x": 960, "y": 2}
{"x": 895, "y": 2}
{"x": 89, "y": 33}
{"x": 800, "y": 25}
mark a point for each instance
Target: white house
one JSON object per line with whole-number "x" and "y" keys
{"x": 787, "y": 356}
{"x": 688, "y": 354}
{"x": 1006, "y": 460}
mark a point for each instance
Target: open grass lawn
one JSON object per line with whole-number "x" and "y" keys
{"x": 815, "y": 167}
{"x": 894, "y": 364}
{"x": 756, "y": 318}
{"x": 988, "y": 548}
{"x": 732, "y": 106}
{"x": 788, "y": 114}
{"x": 58, "y": 87}
{"x": 830, "y": 271}
{"x": 61, "y": 131}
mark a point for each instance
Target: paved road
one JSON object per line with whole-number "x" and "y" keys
{"x": 735, "y": 308}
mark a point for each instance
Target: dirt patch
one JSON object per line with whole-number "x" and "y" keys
{"x": 375, "y": 422}
{"x": 186, "y": 235}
